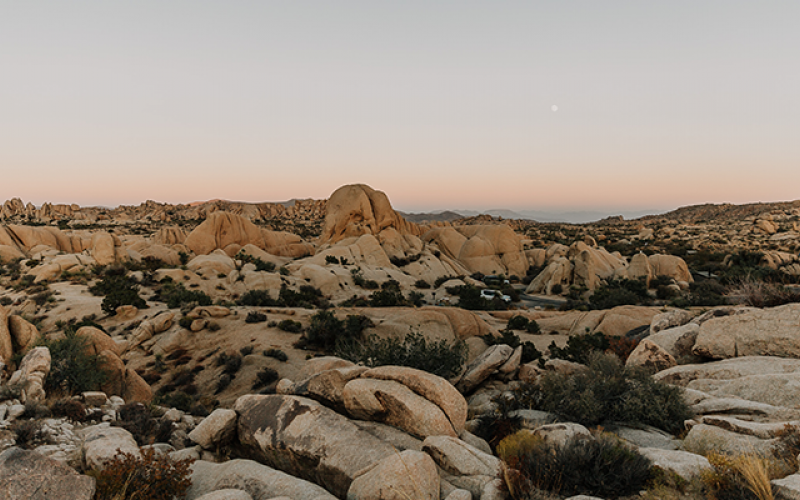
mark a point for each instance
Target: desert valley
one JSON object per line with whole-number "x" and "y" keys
{"x": 335, "y": 349}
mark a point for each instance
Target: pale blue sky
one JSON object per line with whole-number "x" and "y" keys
{"x": 439, "y": 104}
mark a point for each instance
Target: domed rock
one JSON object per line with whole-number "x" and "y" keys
{"x": 222, "y": 229}
{"x": 357, "y": 209}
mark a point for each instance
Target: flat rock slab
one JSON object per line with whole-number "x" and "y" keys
{"x": 27, "y": 475}
{"x": 759, "y": 332}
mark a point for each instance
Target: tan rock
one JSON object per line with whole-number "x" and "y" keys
{"x": 759, "y": 332}
{"x": 395, "y": 404}
{"x": 433, "y": 388}
{"x": 483, "y": 366}
{"x": 459, "y": 458}
{"x": 408, "y": 474}
{"x": 33, "y": 371}
{"x": 215, "y": 430}
{"x": 102, "y": 443}
{"x": 103, "y": 249}
{"x": 281, "y": 430}
{"x": 136, "y": 389}
{"x": 650, "y": 355}
{"x": 24, "y": 335}
{"x": 97, "y": 340}
{"x": 6, "y": 344}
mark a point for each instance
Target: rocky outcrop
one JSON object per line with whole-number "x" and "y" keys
{"x": 356, "y": 210}
{"x": 303, "y": 438}
{"x": 230, "y": 232}
{"x": 404, "y": 475}
{"x": 29, "y": 475}
{"x": 31, "y": 375}
{"x": 757, "y": 332}
{"x": 259, "y": 481}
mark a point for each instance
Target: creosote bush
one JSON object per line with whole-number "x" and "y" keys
{"x": 153, "y": 476}
{"x": 265, "y": 377}
{"x": 440, "y": 358}
{"x": 607, "y": 391}
{"x": 72, "y": 370}
{"x": 602, "y": 466}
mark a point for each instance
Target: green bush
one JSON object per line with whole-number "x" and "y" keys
{"x": 256, "y": 298}
{"x": 175, "y": 399}
{"x": 265, "y": 377}
{"x": 290, "y": 326}
{"x": 387, "y": 298}
{"x": 277, "y": 354}
{"x": 153, "y": 475}
{"x": 175, "y": 295}
{"x": 580, "y": 348}
{"x": 619, "y": 293}
{"x": 255, "y": 317}
{"x": 118, "y": 290}
{"x": 608, "y": 392}
{"x": 601, "y": 466}
{"x": 330, "y": 259}
{"x": 507, "y": 337}
{"x": 533, "y": 327}
{"x": 422, "y": 284}
{"x": 72, "y": 369}
{"x": 440, "y": 358}
{"x": 517, "y": 322}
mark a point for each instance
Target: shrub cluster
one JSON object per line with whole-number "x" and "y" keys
{"x": 440, "y": 358}
{"x": 325, "y": 330}
{"x": 153, "y": 475}
{"x": 260, "y": 264}
{"x": 118, "y": 290}
{"x": 72, "y": 369}
{"x": 175, "y": 295}
{"x": 255, "y": 317}
{"x": 507, "y": 337}
{"x": 605, "y": 392}
{"x": 601, "y": 465}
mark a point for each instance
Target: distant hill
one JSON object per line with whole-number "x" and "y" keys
{"x": 446, "y": 216}
{"x": 723, "y": 211}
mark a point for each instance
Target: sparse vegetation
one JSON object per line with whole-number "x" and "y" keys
{"x": 154, "y": 476}
{"x": 439, "y": 358}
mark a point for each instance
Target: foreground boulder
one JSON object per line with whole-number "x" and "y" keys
{"x": 410, "y": 474}
{"x": 257, "y": 480}
{"x": 103, "y": 443}
{"x": 756, "y": 332}
{"x": 29, "y": 475}
{"x": 305, "y": 439}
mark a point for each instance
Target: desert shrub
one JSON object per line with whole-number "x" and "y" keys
{"x": 69, "y": 408}
{"x": 507, "y": 337}
{"x": 422, "y": 284}
{"x": 260, "y": 264}
{"x": 441, "y": 280}
{"x": 580, "y": 348}
{"x": 175, "y": 295}
{"x": 330, "y": 259}
{"x": 246, "y": 350}
{"x": 214, "y": 326}
{"x": 469, "y": 297}
{"x": 619, "y": 293}
{"x": 494, "y": 427}
{"x": 28, "y": 432}
{"x": 743, "y": 477}
{"x": 223, "y": 383}
{"x": 36, "y": 411}
{"x": 174, "y": 399}
{"x": 517, "y": 322}
{"x": 137, "y": 419}
{"x": 306, "y": 296}
{"x": 153, "y": 476}
{"x": 255, "y": 317}
{"x": 755, "y": 293}
{"x": 256, "y": 298}
{"x": 265, "y": 377}
{"x": 607, "y": 391}
{"x": 185, "y": 322}
{"x": 277, "y": 354}
{"x": 601, "y": 466}
{"x": 323, "y": 331}
{"x": 532, "y": 327}
{"x": 622, "y": 347}
{"x": 231, "y": 363}
{"x": 557, "y": 289}
{"x": 287, "y": 325}
{"x": 415, "y": 299}
{"x": 705, "y": 293}
{"x": 118, "y": 290}
{"x": 440, "y": 358}
{"x": 72, "y": 369}
{"x": 389, "y": 297}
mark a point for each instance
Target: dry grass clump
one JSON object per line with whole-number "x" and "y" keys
{"x": 741, "y": 477}
{"x": 758, "y": 293}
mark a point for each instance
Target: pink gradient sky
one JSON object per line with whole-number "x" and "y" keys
{"x": 442, "y": 105}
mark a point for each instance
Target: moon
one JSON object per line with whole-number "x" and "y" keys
{"x": 554, "y": 108}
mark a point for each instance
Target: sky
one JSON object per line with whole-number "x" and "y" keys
{"x": 568, "y": 105}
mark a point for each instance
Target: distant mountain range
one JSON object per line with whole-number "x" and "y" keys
{"x": 576, "y": 217}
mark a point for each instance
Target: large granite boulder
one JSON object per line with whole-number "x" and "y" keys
{"x": 305, "y": 439}
{"x": 30, "y": 476}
